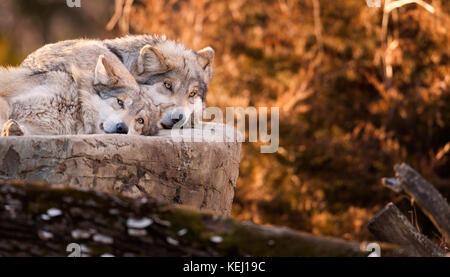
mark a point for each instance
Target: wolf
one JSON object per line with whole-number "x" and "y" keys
{"x": 174, "y": 77}
{"x": 105, "y": 99}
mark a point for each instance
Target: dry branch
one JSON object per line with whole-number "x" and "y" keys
{"x": 392, "y": 226}
{"x": 121, "y": 16}
{"x": 401, "y": 3}
{"x": 389, "y": 6}
{"x": 318, "y": 24}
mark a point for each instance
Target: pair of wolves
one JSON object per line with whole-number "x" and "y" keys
{"x": 134, "y": 85}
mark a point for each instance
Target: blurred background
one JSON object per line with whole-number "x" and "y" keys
{"x": 359, "y": 89}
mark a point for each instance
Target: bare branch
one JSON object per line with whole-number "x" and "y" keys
{"x": 400, "y": 3}
{"x": 318, "y": 24}
{"x": 121, "y": 16}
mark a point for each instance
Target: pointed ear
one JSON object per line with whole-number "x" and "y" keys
{"x": 206, "y": 57}
{"x": 151, "y": 60}
{"x": 206, "y": 60}
{"x": 104, "y": 73}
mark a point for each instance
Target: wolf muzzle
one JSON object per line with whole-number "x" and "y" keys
{"x": 174, "y": 118}
{"x": 121, "y": 128}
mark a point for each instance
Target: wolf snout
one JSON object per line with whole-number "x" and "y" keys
{"x": 121, "y": 128}
{"x": 172, "y": 119}
{"x": 112, "y": 128}
{"x": 177, "y": 118}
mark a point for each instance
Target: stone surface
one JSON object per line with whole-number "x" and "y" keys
{"x": 169, "y": 167}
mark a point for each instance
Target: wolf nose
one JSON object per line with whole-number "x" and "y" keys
{"x": 176, "y": 120}
{"x": 121, "y": 128}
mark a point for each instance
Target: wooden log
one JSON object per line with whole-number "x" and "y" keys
{"x": 392, "y": 184}
{"x": 38, "y": 220}
{"x": 432, "y": 203}
{"x": 392, "y": 226}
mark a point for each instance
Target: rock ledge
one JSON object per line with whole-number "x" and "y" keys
{"x": 198, "y": 174}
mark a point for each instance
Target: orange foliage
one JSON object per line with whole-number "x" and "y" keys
{"x": 344, "y": 123}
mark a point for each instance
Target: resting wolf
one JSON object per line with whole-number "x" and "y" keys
{"x": 174, "y": 77}
{"x": 105, "y": 99}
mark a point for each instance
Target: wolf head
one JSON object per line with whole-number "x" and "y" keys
{"x": 175, "y": 78}
{"x": 145, "y": 118}
{"x": 177, "y": 81}
{"x": 119, "y": 102}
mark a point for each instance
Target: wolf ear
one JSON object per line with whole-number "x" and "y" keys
{"x": 104, "y": 73}
{"x": 206, "y": 56}
{"x": 206, "y": 59}
{"x": 151, "y": 60}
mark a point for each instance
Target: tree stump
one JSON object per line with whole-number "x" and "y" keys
{"x": 430, "y": 200}
{"x": 168, "y": 167}
{"x": 392, "y": 226}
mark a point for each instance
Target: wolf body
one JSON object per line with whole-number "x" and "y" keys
{"x": 100, "y": 96}
{"x": 175, "y": 78}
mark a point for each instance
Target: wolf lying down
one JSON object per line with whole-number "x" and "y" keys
{"x": 106, "y": 100}
{"x": 133, "y": 85}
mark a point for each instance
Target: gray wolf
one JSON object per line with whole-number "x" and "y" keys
{"x": 175, "y": 78}
{"x": 104, "y": 99}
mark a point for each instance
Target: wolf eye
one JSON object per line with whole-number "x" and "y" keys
{"x": 168, "y": 85}
{"x": 193, "y": 93}
{"x": 140, "y": 120}
{"x": 120, "y": 102}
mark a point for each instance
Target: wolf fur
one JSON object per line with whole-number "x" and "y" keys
{"x": 101, "y": 96}
{"x": 175, "y": 78}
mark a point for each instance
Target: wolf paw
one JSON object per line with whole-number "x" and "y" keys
{"x": 11, "y": 129}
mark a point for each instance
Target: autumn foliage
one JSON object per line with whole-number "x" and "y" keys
{"x": 353, "y": 101}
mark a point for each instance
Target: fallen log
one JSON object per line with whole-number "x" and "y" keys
{"x": 392, "y": 226}
{"x": 39, "y": 220}
{"x": 431, "y": 202}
